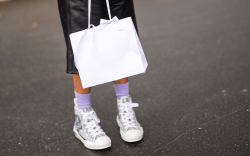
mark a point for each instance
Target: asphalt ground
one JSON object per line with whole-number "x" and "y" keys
{"x": 194, "y": 97}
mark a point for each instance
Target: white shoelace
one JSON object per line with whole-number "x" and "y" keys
{"x": 127, "y": 114}
{"x": 91, "y": 121}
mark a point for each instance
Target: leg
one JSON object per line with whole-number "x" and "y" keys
{"x": 121, "y": 81}
{"x": 82, "y": 94}
{"x": 121, "y": 87}
{"x": 130, "y": 128}
{"x": 78, "y": 85}
{"x": 86, "y": 119}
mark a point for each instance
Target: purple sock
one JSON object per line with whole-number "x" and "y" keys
{"x": 83, "y": 100}
{"x": 122, "y": 90}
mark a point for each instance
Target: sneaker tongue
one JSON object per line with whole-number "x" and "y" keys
{"x": 125, "y": 99}
{"x": 88, "y": 109}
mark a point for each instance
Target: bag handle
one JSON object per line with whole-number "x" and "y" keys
{"x": 89, "y": 11}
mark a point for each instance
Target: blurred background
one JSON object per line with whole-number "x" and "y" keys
{"x": 194, "y": 98}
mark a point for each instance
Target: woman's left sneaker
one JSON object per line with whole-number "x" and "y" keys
{"x": 130, "y": 128}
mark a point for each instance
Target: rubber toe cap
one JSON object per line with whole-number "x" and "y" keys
{"x": 132, "y": 135}
{"x": 103, "y": 141}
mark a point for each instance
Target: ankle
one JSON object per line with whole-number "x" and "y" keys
{"x": 83, "y": 100}
{"x": 122, "y": 90}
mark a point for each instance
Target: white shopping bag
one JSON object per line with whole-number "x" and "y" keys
{"x": 107, "y": 52}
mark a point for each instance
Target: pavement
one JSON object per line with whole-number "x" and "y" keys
{"x": 194, "y": 97}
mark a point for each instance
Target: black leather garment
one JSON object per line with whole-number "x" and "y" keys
{"x": 74, "y": 17}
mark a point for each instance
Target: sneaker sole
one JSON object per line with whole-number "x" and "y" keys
{"x": 126, "y": 139}
{"x": 89, "y": 147}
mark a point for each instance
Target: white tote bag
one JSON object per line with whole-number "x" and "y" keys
{"x": 107, "y": 52}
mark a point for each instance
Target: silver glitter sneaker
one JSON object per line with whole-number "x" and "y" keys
{"x": 88, "y": 131}
{"x": 130, "y": 128}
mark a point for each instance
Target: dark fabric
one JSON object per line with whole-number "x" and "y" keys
{"x": 74, "y": 17}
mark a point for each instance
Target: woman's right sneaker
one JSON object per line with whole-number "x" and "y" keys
{"x": 87, "y": 130}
